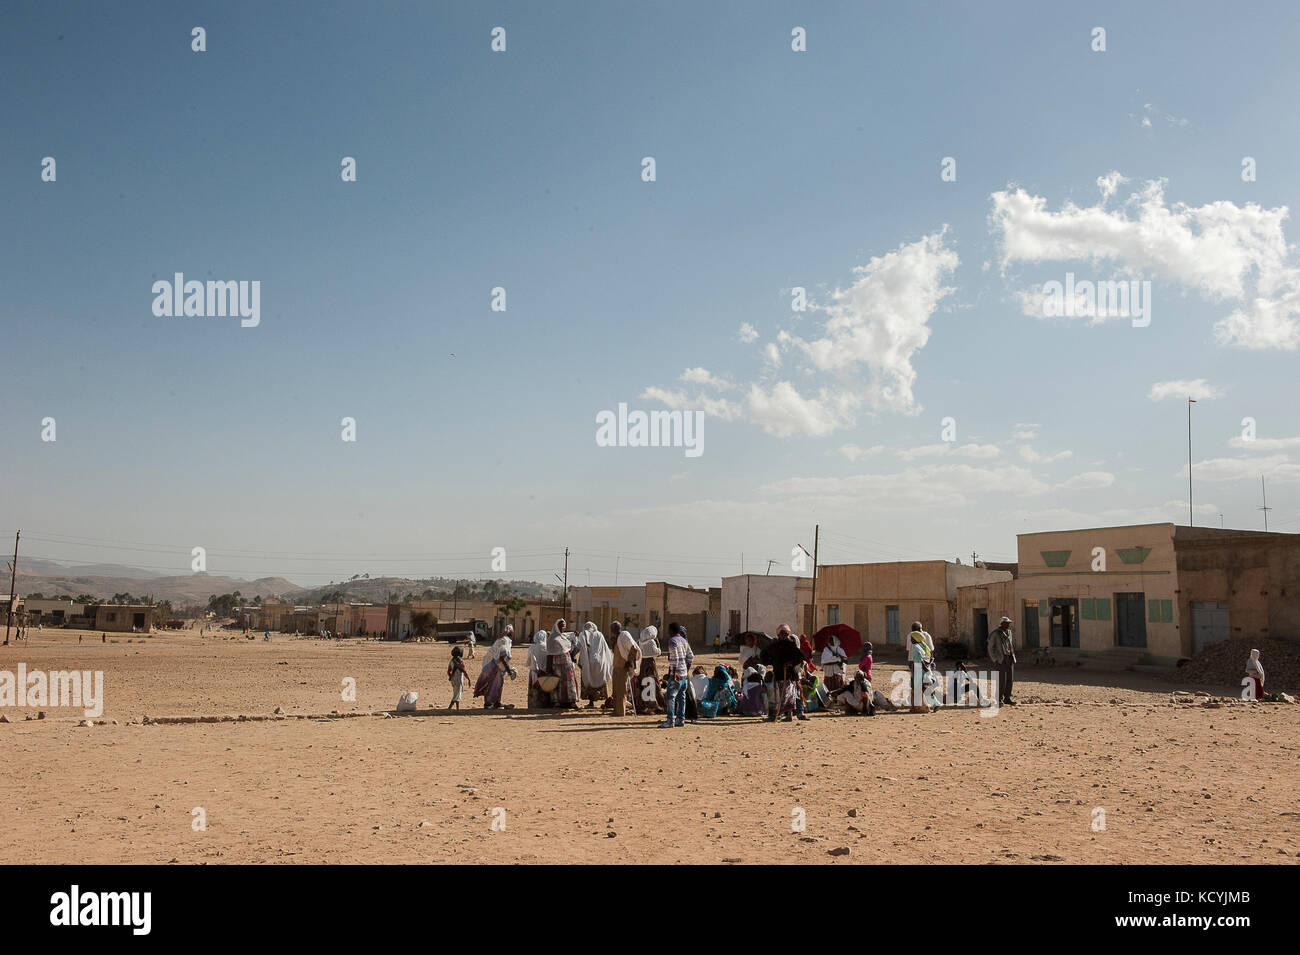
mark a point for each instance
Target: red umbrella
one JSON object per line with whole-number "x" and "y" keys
{"x": 850, "y": 639}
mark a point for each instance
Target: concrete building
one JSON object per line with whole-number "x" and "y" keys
{"x": 604, "y": 605}
{"x": 1156, "y": 591}
{"x": 764, "y": 602}
{"x": 53, "y": 611}
{"x": 672, "y": 603}
{"x": 124, "y": 618}
{"x": 881, "y": 600}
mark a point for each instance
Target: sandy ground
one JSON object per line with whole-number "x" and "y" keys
{"x": 1176, "y": 782}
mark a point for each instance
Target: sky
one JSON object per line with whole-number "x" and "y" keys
{"x": 921, "y": 171}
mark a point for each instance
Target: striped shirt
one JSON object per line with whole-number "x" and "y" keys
{"x": 680, "y": 657}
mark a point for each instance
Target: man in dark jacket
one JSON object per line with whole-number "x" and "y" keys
{"x": 784, "y": 656}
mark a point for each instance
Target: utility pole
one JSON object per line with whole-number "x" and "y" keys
{"x": 1191, "y": 520}
{"x": 616, "y": 560}
{"x": 817, "y": 532}
{"x": 769, "y": 568}
{"x": 1264, "y": 491}
{"x": 13, "y": 576}
{"x": 747, "y": 582}
{"x": 565, "y": 612}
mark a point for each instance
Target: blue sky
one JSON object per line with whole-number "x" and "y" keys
{"x": 522, "y": 169}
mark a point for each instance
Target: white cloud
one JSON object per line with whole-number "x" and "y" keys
{"x": 927, "y": 485}
{"x": 1275, "y": 467}
{"x": 1033, "y": 457}
{"x": 747, "y": 333}
{"x": 783, "y": 412}
{"x": 701, "y": 376}
{"x": 1109, "y": 183}
{"x": 1088, "y": 481}
{"x": 863, "y": 355}
{"x": 1197, "y": 388}
{"x": 856, "y": 453}
{"x": 678, "y": 400}
{"x": 944, "y": 449}
{"x": 1263, "y": 444}
{"x": 1025, "y": 431}
{"x": 1222, "y": 251}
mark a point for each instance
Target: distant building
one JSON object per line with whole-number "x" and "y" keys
{"x": 882, "y": 600}
{"x": 763, "y": 602}
{"x": 54, "y": 612}
{"x": 124, "y": 618}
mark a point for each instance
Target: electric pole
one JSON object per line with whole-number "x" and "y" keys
{"x": 1264, "y": 491}
{"x": 1191, "y": 520}
{"x": 817, "y": 531}
{"x": 565, "y": 612}
{"x": 13, "y": 576}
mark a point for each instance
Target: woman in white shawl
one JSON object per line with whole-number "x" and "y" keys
{"x": 1255, "y": 671}
{"x": 649, "y": 696}
{"x": 536, "y": 666}
{"x": 496, "y": 665}
{"x": 597, "y": 664}
{"x": 559, "y": 663}
{"x": 833, "y": 661}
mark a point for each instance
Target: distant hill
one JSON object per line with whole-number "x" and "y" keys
{"x": 37, "y": 566}
{"x": 51, "y": 579}
{"x": 377, "y": 590}
{"x": 186, "y": 589}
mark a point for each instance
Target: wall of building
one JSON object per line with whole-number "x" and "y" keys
{"x": 1256, "y": 574}
{"x": 607, "y": 604}
{"x": 761, "y": 602}
{"x": 120, "y": 618}
{"x": 860, "y": 595}
{"x": 996, "y": 599}
{"x": 1139, "y": 559}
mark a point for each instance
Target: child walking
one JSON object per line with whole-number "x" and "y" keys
{"x": 457, "y": 674}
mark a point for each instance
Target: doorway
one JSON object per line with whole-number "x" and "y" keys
{"x": 1130, "y": 620}
{"x": 1031, "y": 624}
{"x": 981, "y": 632}
{"x": 891, "y": 626}
{"x": 1065, "y": 621}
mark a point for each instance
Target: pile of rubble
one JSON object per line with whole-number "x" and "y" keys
{"x": 1224, "y": 663}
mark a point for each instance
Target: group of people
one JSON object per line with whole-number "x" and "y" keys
{"x": 566, "y": 667}
{"x": 782, "y": 680}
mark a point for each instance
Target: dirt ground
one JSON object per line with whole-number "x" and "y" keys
{"x": 1090, "y": 768}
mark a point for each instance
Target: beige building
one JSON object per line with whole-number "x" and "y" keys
{"x": 124, "y": 618}
{"x": 882, "y": 600}
{"x": 1155, "y": 591}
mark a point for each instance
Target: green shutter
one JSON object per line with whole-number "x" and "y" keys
{"x": 1153, "y": 611}
{"x": 1103, "y": 608}
{"x": 1087, "y": 607}
{"x": 1166, "y": 611}
{"x": 1042, "y": 608}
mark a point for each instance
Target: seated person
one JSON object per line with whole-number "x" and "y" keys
{"x": 814, "y": 693}
{"x": 857, "y": 695}
{"x": 753, "y": 698}
{"x": 719, "y": 697}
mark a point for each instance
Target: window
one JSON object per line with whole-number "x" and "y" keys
{"x": 832, "y": 614}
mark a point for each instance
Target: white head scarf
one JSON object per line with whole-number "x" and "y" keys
{"x": 558, "y": 643}
{"x": 649, "y": 641}
{"x": 594, "y": 656}
{"x": 1254, "y": 666}
{"x": 537, "y": 654}
{"x": 500, "y": 650}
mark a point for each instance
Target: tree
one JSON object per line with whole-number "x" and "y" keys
{"x": 423, "y": 622}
